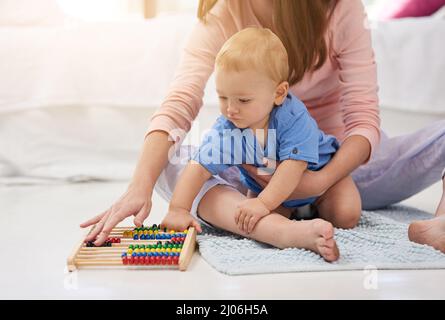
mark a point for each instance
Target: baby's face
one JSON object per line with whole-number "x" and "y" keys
{"x": 245, "y": 98}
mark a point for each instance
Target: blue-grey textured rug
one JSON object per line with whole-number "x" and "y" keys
{"x": 379, "y": 241}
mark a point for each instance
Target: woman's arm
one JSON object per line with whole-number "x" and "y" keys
{"x": 136, "y": 200}
{"x": 184, "y": 97}
{"x": 353, "y": 152}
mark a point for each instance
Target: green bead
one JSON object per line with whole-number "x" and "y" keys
{"x": 142, "y": 246}
{"x": 130, "y": 246}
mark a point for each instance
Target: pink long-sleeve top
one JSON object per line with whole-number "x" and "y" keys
{"x": 341, "y": 95}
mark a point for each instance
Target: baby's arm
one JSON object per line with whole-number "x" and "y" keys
{"x": 283, "y": 182}
{"x": 285, "y": 179}
{"x": 187, "y": 188}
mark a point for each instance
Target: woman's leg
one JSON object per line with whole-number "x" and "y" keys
{"x": 218, "y": 207}
{"x": 340, "y": 204}
{"x": 402, "y": 166}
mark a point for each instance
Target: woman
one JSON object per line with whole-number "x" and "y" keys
{"x": 334, "y": 74}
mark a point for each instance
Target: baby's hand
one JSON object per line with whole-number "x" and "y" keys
{"x": 249, "y": 212}
{"x": 179, "y": 219}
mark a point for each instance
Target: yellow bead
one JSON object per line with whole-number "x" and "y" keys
{"x": 185, "y": 231}
{"x": 130, "y": 251}
{"x": 172, "y": 231}
{"x": 147, "y": 250}
{"x": 156, "y": 232}
{"x": 173, "y": 249}
{"x": 145, "y": 232}
{"x": 150, "y": 232}
{"x": 158, "y": 250}
{"x": 136, "y": 250}
{"x": 168, "y": 250}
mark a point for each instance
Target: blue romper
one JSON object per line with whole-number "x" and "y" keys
{"x": 292, "y": 134}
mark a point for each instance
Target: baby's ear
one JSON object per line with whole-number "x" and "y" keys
{"x": 281, "y": 92}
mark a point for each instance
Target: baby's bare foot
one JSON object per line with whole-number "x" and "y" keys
{"x": 430, "y": 232}
{"x": 316, "y": 235}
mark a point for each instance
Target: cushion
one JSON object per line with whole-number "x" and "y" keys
{"x": 411, "y": 8}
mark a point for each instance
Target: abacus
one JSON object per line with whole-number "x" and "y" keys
{"x": 137, "y": 247}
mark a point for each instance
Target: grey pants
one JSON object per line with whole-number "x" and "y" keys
{"x": 402, "y": 166}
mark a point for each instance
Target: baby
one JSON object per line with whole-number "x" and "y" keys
{"x": 260, "y": 119}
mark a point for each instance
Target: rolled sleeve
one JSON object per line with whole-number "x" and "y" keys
{"x": 299, "y": 138}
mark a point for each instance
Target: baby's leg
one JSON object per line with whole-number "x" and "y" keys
{"x": 219, "y": 205}
{"x": 341, "y": 204}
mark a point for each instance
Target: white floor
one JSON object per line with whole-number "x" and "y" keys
{"x": 37, "y": 242}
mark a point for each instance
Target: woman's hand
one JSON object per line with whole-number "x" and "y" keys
{"x": 179, "y": 219}
{"x": 312, "y": 183}
{"x": 136, "y": 201}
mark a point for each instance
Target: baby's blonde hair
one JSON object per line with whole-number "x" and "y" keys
{"x": 256, "y": 49}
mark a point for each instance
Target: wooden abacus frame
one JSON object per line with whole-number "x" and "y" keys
{"x": 110, "y": 256}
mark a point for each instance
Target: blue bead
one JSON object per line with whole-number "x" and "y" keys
{"x": 135, "y": 237}
{"x": 124, "y": 255}
{"x": 134, "y": 254}
{"x": 144, "y": 254}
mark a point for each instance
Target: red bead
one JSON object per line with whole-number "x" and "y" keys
{"x": 118, "y": 240}
{"x": 152, "y": 260}
{"x": 125, "y": 260}
{"x": 131, "y": 260}
{"x": 136, "y": 260}
{"x": 169, "y": 260}
{"x": 146, "y": 260}
{"x": 158, "y": 260}
{"x": 175, "y": 260}
{"x": 163, "y": 260}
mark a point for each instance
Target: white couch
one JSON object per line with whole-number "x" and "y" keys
{"x": 75, "y": 98}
